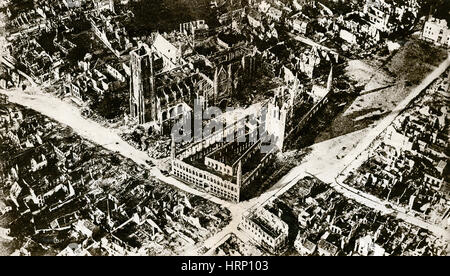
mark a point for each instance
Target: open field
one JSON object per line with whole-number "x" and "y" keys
{"x": 395, "y": 81}
{"x": 413, "y": 61}
{"x": 365, "y": 73}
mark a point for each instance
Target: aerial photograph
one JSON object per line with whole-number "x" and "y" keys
{"x": 224, "y": 129}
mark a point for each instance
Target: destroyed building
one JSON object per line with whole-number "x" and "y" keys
{"x": 268, "y": 230}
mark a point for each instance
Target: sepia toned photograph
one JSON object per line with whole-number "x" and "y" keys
{"x": 224, "y": 129}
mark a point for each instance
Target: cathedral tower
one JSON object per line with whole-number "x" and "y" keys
{"x": 142, "y": 92}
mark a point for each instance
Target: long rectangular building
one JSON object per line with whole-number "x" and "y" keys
{"x": 226, "y": 169}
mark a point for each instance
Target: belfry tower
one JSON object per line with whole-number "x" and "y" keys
{"x": 142, "y": 92}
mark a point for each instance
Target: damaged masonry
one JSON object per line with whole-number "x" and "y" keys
{"x": 224, "y": 128}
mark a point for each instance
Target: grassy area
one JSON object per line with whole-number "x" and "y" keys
{"x": 404, "y": 69}
{"x": 413, "y": 61}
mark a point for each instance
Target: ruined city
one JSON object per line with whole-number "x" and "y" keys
{"x": 224, "y": 128}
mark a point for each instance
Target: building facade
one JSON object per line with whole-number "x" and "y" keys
{"x": 265, "y": 228}
{"x": 437, "y": 31}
